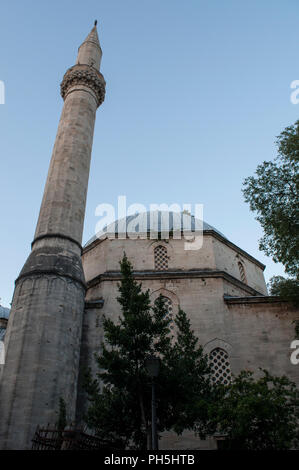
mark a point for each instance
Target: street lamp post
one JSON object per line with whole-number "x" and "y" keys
{"x": 152, "y": 365}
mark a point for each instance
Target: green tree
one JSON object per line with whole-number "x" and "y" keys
{"x": 257, "y": 414}
{"x": 273, "y": 193}
{"x": 188, "y": 379}
{"x": 120, "y": 394}
{"x": 285, "y": 288}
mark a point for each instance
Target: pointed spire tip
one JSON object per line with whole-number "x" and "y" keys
{"x": 96, "y": 22}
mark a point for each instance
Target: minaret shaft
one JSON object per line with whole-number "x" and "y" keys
{"x": 43, "y": 337}
{"x": 63, "y": 204}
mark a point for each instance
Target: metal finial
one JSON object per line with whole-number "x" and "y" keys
{"x": 96, "y": 22}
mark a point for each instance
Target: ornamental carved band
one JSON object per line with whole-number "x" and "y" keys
{"x": 84, "y": 75}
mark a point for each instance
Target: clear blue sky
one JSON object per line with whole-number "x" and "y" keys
{"x": 197, "y": 91}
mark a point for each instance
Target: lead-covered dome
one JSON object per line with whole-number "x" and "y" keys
{"x": 160, "y": 222}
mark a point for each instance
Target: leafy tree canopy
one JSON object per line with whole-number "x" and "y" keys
{"x": 257, "y": 414}
{"x": 273, "y": 193}
{"x": 285, "y": 288}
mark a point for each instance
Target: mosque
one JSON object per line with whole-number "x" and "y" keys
{"x": 54, "y": 326}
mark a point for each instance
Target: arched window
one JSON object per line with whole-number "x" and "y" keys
{"x": 220, "y": 366}
{"x": 161, "y": 258}
{"x": 242, "y": 271}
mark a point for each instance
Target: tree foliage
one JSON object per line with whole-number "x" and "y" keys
{"x": 257, "y": 414}
{"x": 120, "y": 395}
{"x": 287, "y": 289}
{"x": 274, "y": 194}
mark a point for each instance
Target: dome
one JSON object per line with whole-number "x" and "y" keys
{"x": 155, "y": 221}
{"x": 4, "y": 312}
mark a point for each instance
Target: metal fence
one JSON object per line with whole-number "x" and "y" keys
{"x": 51, "y": 438}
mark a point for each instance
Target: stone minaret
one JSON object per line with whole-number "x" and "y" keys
{"x": 43, "y": 337}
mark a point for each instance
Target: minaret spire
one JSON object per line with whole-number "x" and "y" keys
{"x": 42, "y": 342}
{"x": 90, "y": 52}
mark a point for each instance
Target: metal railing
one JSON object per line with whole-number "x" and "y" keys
{"x": 52, "y": 438}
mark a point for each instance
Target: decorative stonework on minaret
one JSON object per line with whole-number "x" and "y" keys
{"x": 43, "y": 337}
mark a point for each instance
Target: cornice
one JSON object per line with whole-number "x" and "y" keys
{"x": 257, "y": 299}
{"x": 173, "y": 274}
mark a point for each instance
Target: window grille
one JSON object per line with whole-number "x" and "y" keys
{"x": 220, "y": 366}
{"x": 169, "y": 308}
{"x": 242, "y": 271}
{"x": 161, "y": 258}
{"x": 168, "y": 305}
